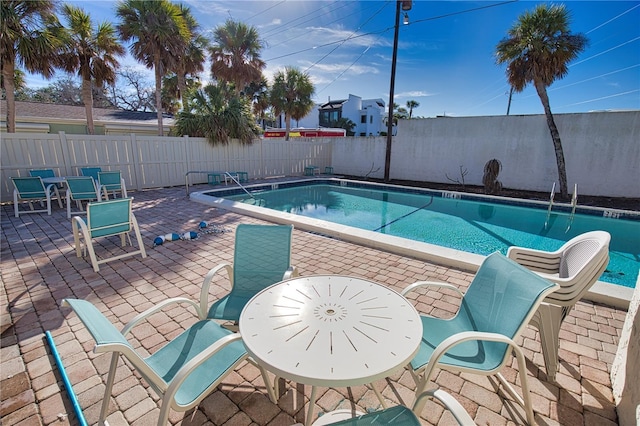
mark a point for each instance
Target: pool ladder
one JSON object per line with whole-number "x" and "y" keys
{"x": 574, "y": 203}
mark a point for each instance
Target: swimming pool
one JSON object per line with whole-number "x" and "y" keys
{"x": 461, "y": 222}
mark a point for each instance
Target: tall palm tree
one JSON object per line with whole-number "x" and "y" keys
{"x": 158, "y": 31}
{"x": 90, "y": 53}
{"x": 411, "y": 104}
{"x": 30, "y": 37}
{"x": 235, "y": 55}
{"x": 190, "y": 60}
{"x": 537, "y": 50}
{"x": 291, "y": 94}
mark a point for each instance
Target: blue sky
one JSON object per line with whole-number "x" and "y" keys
{"x": 446, "y": 56}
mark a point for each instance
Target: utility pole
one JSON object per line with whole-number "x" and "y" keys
{"x": 404, "y": 5}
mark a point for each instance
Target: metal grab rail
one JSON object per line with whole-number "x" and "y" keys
{"x": 574, "y": 203}
{"x": 237, "y": 180}
{"x": 553, "y": 194}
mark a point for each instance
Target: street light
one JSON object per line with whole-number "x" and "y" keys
{"x": 405, "y": 5}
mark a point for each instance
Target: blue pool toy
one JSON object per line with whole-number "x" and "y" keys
{"x": 162, "y": 238}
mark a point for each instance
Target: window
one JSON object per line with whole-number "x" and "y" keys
{"x": 363, "y": 119}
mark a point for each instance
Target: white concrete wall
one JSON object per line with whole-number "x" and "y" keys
{"x": 624, "y": 372}
{"x": 602, "y": 151}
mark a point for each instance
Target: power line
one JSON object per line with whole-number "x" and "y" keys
{"x": 265, "y": 10}
{"x": 285, "y": 26}
{"x": 348, "y": 38}
{"x": 612, "y": 19}
{"x": 601, "y": 98}
{"x": 327, "y": 24}
{"x": 606, "y": 51}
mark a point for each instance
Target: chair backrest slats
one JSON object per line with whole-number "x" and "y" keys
{"x": 262, "y": 256}
{"x": 109, "y": 217}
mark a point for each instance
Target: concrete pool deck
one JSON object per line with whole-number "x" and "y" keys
{"x": 39, "y": 269}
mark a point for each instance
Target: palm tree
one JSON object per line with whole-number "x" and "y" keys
{"x": 235, "y": 55}
{"x": 214, "y": 114}
{"x": 92, "y": 54}
{"x": 191, "y": 62}
{"x": 291, "y": 93}
{"x": 30, "y": 36}
{"x": 411, "y": 104}
{"x": 158, "y": 31}
{"x": 537, "y": 50}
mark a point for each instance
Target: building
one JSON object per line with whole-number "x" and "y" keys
{"x": 34, "y": 117}
{"x": 368, "y": 115}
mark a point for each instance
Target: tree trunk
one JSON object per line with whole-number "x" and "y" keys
{"x": 287, "y": 121}
{"x": 555, "y": 136}
{"x": 182, "y": 86}
{"x": 8, "y": 70}
{"x": 158, "y": 72}
{"x": 87, "y": 98}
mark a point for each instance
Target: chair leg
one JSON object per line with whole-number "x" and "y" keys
{"x": 549, "y": 318}
{"x": 525, "y": 399}
{"x": 109, "y": 385}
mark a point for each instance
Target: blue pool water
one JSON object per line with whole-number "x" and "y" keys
{"x": 464, "y": 224}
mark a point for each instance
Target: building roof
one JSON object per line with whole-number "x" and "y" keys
{"x": 70, "y": 112}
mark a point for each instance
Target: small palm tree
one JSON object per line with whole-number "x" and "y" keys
{"x": 291, "y": 94}
{"x": 235, "y": 54}
{"x": 215, "y": 114}
{"x": 411, "y": 104}
{"x": 31, "y": 37}
{"x": 538, "y": 49}
{"x": 92, "y": 54}
{"x": 158, "y": 32}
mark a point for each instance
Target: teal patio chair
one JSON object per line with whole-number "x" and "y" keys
{"x": 79, "y": 189}
{"x": 182, "y": 372}
{"x": 262, "y": 257}
{"x": 499, "y": 303}
{"x": 575, "y": 267}
{"x": 112, "y": 182}
{"x": 104, "y": 219}
{"x": 30, "y": 190}
{"x": 398, "y": 415}
{"x": 49, "y": 173}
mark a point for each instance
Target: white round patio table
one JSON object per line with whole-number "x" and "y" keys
{"x": 330, "y": 331}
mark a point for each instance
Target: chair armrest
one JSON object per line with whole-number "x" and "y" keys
{"x": 452, "y": 404}
{"x": 204, "y": 292}
{"x": 458, "y": 338}
{"x": 536, "y": 260}
{"x": 436, "y": 284}
{"x": 291, "y": 272}
{"x": 144, "y": 315}
{"x": 197, "y": 360}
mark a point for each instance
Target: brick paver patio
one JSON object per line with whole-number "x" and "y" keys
{"x": 39, "y": 269}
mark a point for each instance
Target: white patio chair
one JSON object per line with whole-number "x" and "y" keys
{"x": 575, "y": 267}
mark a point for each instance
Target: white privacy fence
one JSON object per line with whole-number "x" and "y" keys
{"x": 154, "y": 161}
{"x": 602, "y": 153}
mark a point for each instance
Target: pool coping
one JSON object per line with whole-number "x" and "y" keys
{"x": 601, "y": 292}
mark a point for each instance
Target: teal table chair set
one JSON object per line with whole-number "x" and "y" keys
{"x": 49, "y": 173}
{"x": 191, "y": 365}
{"x": 498, "y": 304}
